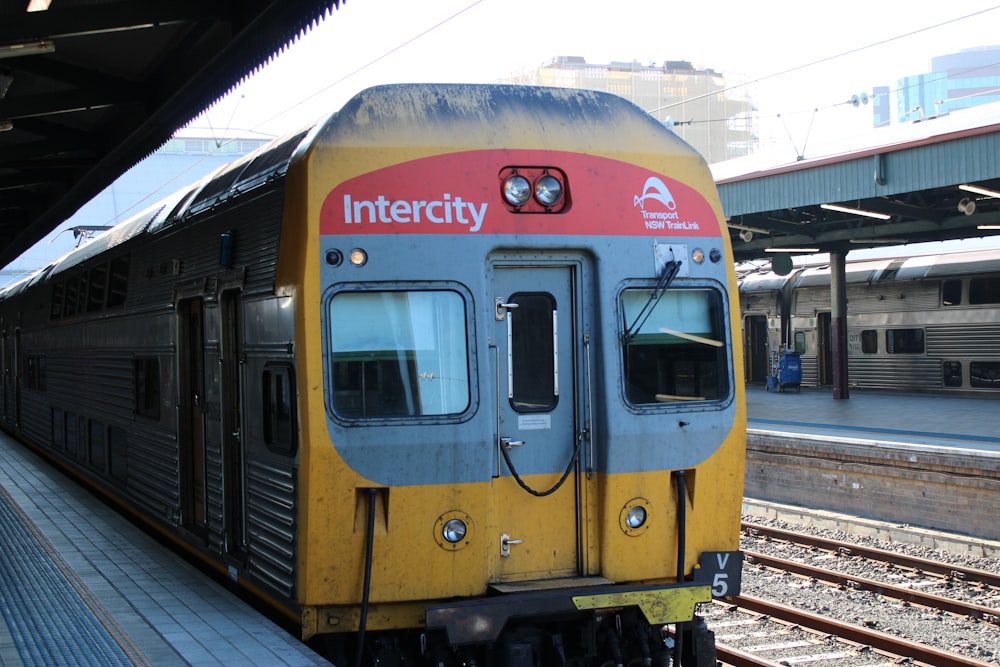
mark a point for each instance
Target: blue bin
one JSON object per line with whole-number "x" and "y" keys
{"x": 789, "y": 370}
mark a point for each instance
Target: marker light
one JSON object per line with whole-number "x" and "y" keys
{"x": 698, "y": 255}
{"x": 517, "y": 190}
{"x": 358, "y": 257}
{"x": 548, "y": 190}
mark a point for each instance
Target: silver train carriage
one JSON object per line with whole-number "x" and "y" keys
{"x": 448, "y": 376}
{"x": 924, "y": 324}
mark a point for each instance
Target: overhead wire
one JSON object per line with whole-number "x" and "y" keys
{"x": 220, "y": 143}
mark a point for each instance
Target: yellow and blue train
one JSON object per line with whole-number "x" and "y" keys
{"x": 451, "y": 377}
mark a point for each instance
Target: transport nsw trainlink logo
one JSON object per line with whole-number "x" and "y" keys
{"x": 657, "y": 191}
{"x": 444, "y": 211}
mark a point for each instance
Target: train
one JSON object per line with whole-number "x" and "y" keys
{"x": 449, "y": 377}
{"x": 928, "y": 323}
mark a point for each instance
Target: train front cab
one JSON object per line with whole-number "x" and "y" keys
{"x": 532, "y": 486}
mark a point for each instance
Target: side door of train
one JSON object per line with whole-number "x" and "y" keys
{"x": 534, "y": 339}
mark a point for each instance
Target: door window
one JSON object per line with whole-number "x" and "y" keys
{"x": 531, "y": 328}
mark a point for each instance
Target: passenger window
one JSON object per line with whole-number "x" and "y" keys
{"x": 951, "y": 293}
{"x": 147, "y": 387}
{"x": 869, "y": 341}
{"x": 673, "y": 346}
{"x": 984, "y": 374}
{"x": 951, "y": 372}
{"x": 984, "y": 290}
{"x": 279, "y": 409}
{"x": 800, "y": 342}
{"x": 904, "y": 341}
{"x": 399, "y": 353}
{"x": 532, "y": 351}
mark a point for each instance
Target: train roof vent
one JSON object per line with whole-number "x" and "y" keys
{"x": 217, "y": 189}
{"x": 887, "y": 272}
{"x": 246, "y": 173}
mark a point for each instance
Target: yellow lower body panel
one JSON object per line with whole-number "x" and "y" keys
{"x": 660, "y": 606}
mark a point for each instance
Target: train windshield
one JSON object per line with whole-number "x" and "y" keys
{"x": 678, "y": 352}
{"x": 399, "y": 353}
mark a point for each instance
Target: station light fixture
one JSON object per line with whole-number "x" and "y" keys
{"x": 979, "y": 191}
{"x": 855, "y": 211}
{"x": 39, "y": 48}
{"x": 802, "y": 250}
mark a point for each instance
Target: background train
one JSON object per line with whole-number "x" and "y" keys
{"x": 923, "y": 323}
{"x": 448, "y": 378}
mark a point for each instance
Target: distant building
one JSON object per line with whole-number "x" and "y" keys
{"x": 956, "y": 81}
{"x": 692, "y": 102}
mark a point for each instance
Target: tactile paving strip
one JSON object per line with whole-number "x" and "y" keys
{"x": 52, "y": 617}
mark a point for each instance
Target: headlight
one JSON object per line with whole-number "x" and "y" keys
{"x": 517, "y": 190}
{"x": 527, "y": 189}
{"x": 548, "y": 190}
{"x": 635, "y": 517}
{"x": 454, "y": 530}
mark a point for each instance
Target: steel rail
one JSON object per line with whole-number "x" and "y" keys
{"x": 853, "y": 633}
{"x": 737, "y": 658}
{"x": 968, "y": 609}
{"x": 902, "y": 560}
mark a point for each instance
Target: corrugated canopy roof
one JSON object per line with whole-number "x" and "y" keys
{"x": 88, "y": 88}
{"x": 912, "y": 177}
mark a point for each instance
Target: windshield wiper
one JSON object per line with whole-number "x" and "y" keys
{"x": 670, "y": 270}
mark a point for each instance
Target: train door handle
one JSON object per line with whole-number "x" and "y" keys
{"x": 505, "y": 543}
{"x": 501, "y": 306}
{"x": 508, "y": 443}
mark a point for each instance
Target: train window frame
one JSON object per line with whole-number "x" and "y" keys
{"x": 800, "y": 342}
{"x": 909, "y": 340}
{"x": 146, "y": 375}
{"x": 951, "y": 293}
{"x": 697, "y": 365}
{"x": 278, "y": 413}
{"x": 984, "y": 374}
{"x": 346, "y": 393}
{"x": 532, "y": 353}
{"x": 869, "y": 341}
{"x": 984, "y": 291}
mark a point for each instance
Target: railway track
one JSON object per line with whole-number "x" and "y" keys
{"x": 955, "y": 587}
{"x": 906, "y": 601}
{"x": 752, "y": 632}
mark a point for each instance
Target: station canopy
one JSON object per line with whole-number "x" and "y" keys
{"x": 88, "y": 88}
{"x": 933, "y": 180}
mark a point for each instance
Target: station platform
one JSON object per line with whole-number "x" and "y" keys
{"x": 81, "y": 585}
{"x": 919, "y": 460}
{"x": 913, "y": 419}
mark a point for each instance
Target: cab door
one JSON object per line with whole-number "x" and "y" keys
{"x": 535, "y": 486}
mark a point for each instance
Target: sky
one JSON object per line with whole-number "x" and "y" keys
{"x": 799, "y": 62}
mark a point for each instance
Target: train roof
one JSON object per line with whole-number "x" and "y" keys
{"x": 865, "y": 271}
{"x": 765, "y": 281}
{"x": 873, "y": 271}
{"x": 954, "y": 264}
